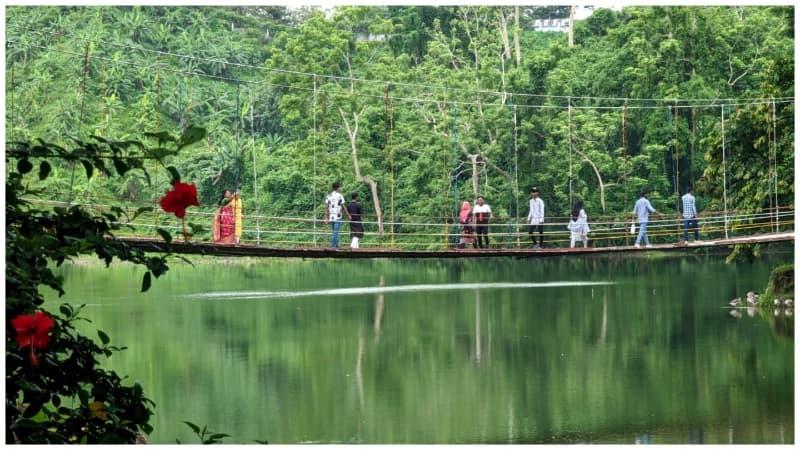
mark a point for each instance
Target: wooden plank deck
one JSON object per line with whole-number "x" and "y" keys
{"x": 249, "y": 250}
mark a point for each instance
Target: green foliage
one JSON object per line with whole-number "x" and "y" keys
{"x": 63, "y": 395}
{"x": 433, "y": 86}
{"x": 780, "y": 284}
{"x": 206, "y": 436}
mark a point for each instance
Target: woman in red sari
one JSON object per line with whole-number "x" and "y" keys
{"x": 224, "y": 221}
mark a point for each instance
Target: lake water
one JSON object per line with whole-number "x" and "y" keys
{"x": 601, "y": 349}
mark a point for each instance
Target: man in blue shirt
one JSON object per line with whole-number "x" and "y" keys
{"x": 641, "y": 212}
{"x": 689, "y": 216}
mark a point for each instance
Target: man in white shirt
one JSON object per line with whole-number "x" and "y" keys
{"x": 536, "y": 219}
{"x": 482, "y": 213}
{"x": 334, "y": 205}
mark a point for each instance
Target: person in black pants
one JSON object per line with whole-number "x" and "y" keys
{"x": 482, "y": 213}
{"x": 536, "y": 219}
{"x": 356, "y": 227}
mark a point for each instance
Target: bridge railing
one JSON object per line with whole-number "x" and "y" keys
{"x": 283, "y": 229}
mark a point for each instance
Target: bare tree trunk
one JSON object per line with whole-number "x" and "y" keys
{"x": 571, "y": 22}
{"x": 517, "y": 53}
{"x": 373, "y": 185}
{"x": 599, "y": 179}
{"x": 474, "y": 159}
{"x": 506, "y": 53}
{"x": 504, "y": 34}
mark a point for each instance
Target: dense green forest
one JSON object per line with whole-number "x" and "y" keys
{"x": 418, "y": 108}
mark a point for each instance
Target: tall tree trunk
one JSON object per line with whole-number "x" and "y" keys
{"x": 571, "y": 23}
{"x": 517, "y": 52}
{"x": 373, "y": 185}
{"x": 474, "y": 159}
{"x": 504, "y": 34}
{"x": 599, "y": 180}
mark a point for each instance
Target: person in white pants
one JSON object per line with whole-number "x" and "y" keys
{"x": 578, "y": 226}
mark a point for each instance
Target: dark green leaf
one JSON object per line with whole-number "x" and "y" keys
{"x": 196, "y": 227}
{"x": 34, "y": 406}
{"x": 24, "y": 166}
{"x": 121, "y": 166}
{"x": 44, "y": 170}
{"x": 146, "y": 282}
{"x": 162, "y": 137}
{"x": 194, "y": 427}
{"x": 89, "y": 168}
{"x": 164, "y": 234}
{"x": 191, "y": 135}
{"x": 66, "y": 310}
{"x": 140, "y": 211}
{"x": 103, "y": 337}
{"x": 174, "y": 174}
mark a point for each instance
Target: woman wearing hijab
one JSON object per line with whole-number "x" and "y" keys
{"x": 578, "y": 225}
{"x": 467, "y": 227}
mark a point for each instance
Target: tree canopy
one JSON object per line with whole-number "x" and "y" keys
{"x": 416, "y": 107}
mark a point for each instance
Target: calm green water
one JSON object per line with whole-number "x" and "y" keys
{"x": 552, "y": 350}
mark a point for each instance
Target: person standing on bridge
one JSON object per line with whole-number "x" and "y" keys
{"x": 356, "y": 228}
{"x": 536, "y": 219}
{"x": 236, "y": 206}
{"x": 641, "y": 211}
{"x": 467, "y": 226}
{"x": 482, "y": 213}
{"x": 578, "y": 225}
{"x": 334, "y": 204}
{"x": 223, "y": 229}
{"x": 689, "y": 216}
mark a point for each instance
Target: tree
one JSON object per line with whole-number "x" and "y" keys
{"x": 56, "y": 389}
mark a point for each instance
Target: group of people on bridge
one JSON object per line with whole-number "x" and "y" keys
{"x": 474, "y": 221}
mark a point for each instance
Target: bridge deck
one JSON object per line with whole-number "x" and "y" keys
{"x": 207, "y": 248}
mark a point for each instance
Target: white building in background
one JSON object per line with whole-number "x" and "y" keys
{"x": 551, "y": 25}
{"x": 562, "y": 23}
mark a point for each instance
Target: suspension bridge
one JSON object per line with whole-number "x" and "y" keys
{"x": 301, "y": 234}
{"x": 251, "y": 250}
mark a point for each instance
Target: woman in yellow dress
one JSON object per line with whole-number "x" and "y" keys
{"x": 236, "y": 205}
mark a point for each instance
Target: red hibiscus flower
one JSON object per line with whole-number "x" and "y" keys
{"x": 32, "y": 331}
{"x": 182, "y": 196}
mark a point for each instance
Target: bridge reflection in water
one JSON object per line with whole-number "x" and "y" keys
{"x": 250, "y": 250}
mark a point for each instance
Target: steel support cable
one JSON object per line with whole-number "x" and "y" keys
{"x": 253, "y": 151}
{"x": 724, "y": 170}
{"x": 569, "y": 140}
{"x": 455, "y": 167}
{"x": 775, "y": 159}
{"x": 80, "y": 115}
{"x": 314, "y": 181}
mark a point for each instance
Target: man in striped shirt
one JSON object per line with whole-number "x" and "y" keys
{"x": 689, "y": 216}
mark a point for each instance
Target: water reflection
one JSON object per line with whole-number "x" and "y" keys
{"x": 598, "y": 351}
{"x": 366, "y": 290}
